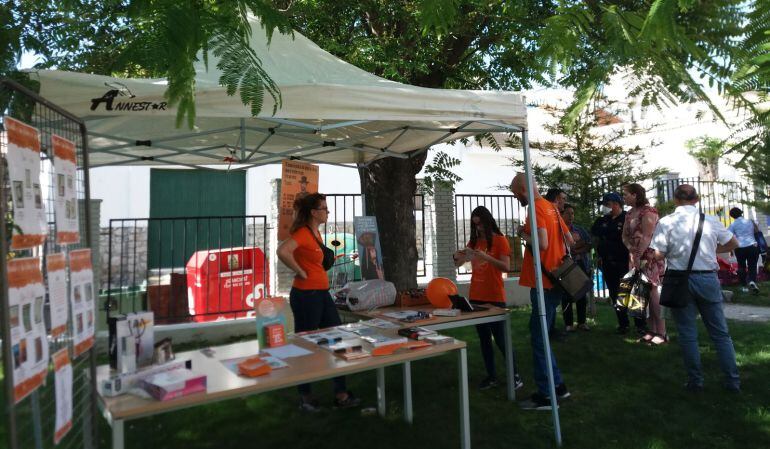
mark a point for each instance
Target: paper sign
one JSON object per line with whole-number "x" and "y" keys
{"x": 82, "y": 300}
{"x": 63, "y": 380}
{"x": 369, "y": 251}
{"x": 57, "y": 293}
{"x": 24, "y": 172}
{"x": 65, "y": 196}
{"x": 29, "y": 343}
{"x": 269, "y": 311}
{"x": 297, "y": 179}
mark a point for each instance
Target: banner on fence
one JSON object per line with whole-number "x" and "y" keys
{"x": 297, "y": 179}
{"x": 369, "y": 251}
{"x": 29, "y": 344}
{"x": 65, "y": 197}
{"x": 24, "y": 172}
{"x": 82, "y": 300}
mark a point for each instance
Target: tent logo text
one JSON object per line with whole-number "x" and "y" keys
{"x": 121, "y": 90}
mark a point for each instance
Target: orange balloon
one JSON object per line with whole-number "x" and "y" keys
{"x": 438, "y": 292}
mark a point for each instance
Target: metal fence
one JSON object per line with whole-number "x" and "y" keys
{"x": 508, "y": 214}
{"x": 716, "y": 197}
{"x": 343, "y": 207}
{"x": 30, "y": 423}
{"x": 187, "y": 268}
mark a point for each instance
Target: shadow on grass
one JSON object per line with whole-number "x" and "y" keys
{"x": 624, "y": 395}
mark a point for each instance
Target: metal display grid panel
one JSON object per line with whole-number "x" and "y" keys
{"x": 31, "y": 422}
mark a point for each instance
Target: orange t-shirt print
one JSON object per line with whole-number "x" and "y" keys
{"x": 487, "y": 279}
{"x": 310, "y": 258}
{"x": 547, "y": 218}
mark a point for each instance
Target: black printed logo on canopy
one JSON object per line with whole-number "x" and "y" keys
{"x": 112, "y": 100}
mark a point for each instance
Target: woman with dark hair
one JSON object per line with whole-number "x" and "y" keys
{"x": 637, "y": 235}
{"x": 747, "y": 252}
{"x": 310, "y": 301}
{"x": 489, "y": 253}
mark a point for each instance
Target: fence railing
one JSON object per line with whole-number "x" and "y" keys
{"x": 507, "y": 212}
{"x": 339, "y": 226}
{"x": 716, "y": 197}
{"x": 187, "y": 268}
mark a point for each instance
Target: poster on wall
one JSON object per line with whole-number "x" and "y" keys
{"x": 29, "y": 343}
{"x": 65, "y": 197}
{"x": 369, "y": 251}
{"x": 57, "y": 293}
{"x": 82, "y": 300}
{"x": 297, "y": 179}
{"x": 24, "y": 173}
{"x": 63, "y": 384}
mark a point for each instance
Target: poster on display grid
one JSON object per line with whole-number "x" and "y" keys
{"x": 297, "y": 179}
{"x": 369, "y": 251}
{"x": 29, "y": 342}
{"x": 56, "y": 265}
{"x": 65, "y": 197}
{"x": 82, "y": 300}
{"x": 63, "y": 385}
{"x": 23, "y": 158}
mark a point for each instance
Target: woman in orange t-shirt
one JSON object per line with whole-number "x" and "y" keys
{"x": 489, "y": 253}
{"x": 310, "y": 301}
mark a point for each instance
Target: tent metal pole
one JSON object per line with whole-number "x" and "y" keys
{"x": 357, "y": 147}
{"x": 159, "y": 139}
{"x": 243, "y": 139}
{"x": 539, "y": 284}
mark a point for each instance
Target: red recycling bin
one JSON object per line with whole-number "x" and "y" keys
{"x": 224, "y": 283}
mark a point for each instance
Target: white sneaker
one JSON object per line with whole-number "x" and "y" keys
{"x": 753, "y": 288}
{"x": 744, "y": 289}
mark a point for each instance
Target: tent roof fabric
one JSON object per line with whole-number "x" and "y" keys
{"x": 331, "y": 112}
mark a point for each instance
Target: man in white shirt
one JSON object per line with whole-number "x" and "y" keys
{"x": 672, "y": 241}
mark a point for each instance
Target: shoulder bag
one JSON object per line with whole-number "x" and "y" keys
{"x": 568, "y": 276}
{"x": 760, "y": 238}
{"x": 328, "y": 261}
{"x": 675, "y": 290}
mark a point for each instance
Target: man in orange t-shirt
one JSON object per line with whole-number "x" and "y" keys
{"x": 551, "y": 232}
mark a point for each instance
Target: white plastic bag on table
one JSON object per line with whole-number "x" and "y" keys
{"x": 368, "y": 295}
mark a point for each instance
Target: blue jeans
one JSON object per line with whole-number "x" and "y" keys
{"x": 552, "y": 301}
{"x": 706, "y": 299}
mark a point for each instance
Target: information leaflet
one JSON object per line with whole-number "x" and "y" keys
{"x": 63, "y": 379}
{"x": 65, "y": 197}
{"x": 57, "y": 293}
{"x": 82, "y": 300}
{"x": 29, "y": 344}
{"x": 24, "y": 172}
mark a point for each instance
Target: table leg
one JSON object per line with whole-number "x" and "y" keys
{"x": 509, "y": 370}
{"x": 465, "y": 424}
{"x": 381, "y": 391}
{"x": 408, "y": 413}
{"x": 118, "y": 438}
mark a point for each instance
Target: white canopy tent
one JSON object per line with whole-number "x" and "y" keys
{"x": 332, "y": 112}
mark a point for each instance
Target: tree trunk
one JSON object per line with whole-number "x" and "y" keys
{"x": 389, "y": 186}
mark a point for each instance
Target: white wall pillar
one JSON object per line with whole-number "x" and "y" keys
{"x": 443, "y": 230}
{"x": 281, "y": 276}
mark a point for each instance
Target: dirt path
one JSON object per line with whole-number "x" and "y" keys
{"x": 743, "y": 312}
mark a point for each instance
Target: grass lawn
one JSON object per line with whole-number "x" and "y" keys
{"x": 762, "y": 299}
{"x": 624, "y": 395}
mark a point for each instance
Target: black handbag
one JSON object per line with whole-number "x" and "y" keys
{"x": 329, "y": 258}
{"x": 675, "y": 290}
{"x": 568, "y": 276}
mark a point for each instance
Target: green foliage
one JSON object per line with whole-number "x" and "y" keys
{"x": 707, "y": 150}
{"x": 656, "y": 44}
{"x": 590, "y": 163}
{"x": 439, "y": 171}
{"x": 151, "y": 38}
